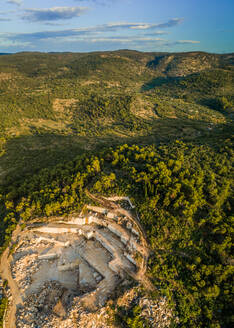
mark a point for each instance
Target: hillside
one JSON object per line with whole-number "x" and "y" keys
{"x": 182, "y": 195}
{"x": 79, "y": 131}
{"x": 55, "y": 105}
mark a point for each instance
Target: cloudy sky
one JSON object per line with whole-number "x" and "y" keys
{"x": 89, "y": 25}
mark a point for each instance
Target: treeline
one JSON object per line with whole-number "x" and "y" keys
{"x": 184, "y": 198}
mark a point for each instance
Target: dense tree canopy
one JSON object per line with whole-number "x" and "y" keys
{"x": 183, "y": 195}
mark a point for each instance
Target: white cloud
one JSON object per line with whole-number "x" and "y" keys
{"x": 145, "y": 26}
{"x": 126, "y": 39}
{"x": 53, "y": 14}
{"x": 188, "y": 41}
{"x": 115, "y": 35}
{"x": 15, "y": 2}
{"x": 102, "y": 31}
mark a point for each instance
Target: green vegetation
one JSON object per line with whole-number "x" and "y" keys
{"x": 3, "y": 306}
{"x": 131, "y": 318}
{"x": 183, "y": 195}
{"x": 53, "y": 103}
{"x": 109, "y": 122}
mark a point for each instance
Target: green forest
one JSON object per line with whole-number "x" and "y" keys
{"x": 183, "y": 194}
{"x": 155, "y": 127}
{"x": 56, "y": 106}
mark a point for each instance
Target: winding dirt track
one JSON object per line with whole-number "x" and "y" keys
{"x": 5, "y": 272}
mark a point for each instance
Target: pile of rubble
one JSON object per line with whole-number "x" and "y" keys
{"x": 55, "y": 307}
{"x": 99, "y": 319}
{"x": 156, "y": 312}
{"x": 24, "y": 268}
{"x": 25, "y": 261}
{"x": 42, "y": 308}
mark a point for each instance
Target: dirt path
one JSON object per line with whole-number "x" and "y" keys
{"x": 5, "y": 271}
{"x": 111, "y": 205}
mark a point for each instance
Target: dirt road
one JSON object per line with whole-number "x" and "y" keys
{"x": 5, "y": 272}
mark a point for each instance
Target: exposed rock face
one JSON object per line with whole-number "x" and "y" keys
{"x": 65, "y": 271}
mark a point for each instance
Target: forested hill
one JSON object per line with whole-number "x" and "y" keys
{"x": 84, "y": 64}
{"x": 157, "y": 127}
{"x": 57, "y": 105}
{"x": 183, "y": 194}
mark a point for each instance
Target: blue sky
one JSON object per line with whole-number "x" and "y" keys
{"x": 90, "y": 25}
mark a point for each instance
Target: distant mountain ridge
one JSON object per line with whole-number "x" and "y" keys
{"x": 76, "y": 64}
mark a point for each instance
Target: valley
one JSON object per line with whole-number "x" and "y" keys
{"x": 56, "y": 106}
{"x": 116, "y": 193}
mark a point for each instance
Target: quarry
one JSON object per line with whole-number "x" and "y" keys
{"x": 64, "y": 266}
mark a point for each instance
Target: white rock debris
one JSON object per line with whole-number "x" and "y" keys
{"x": 64, "y": 271}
